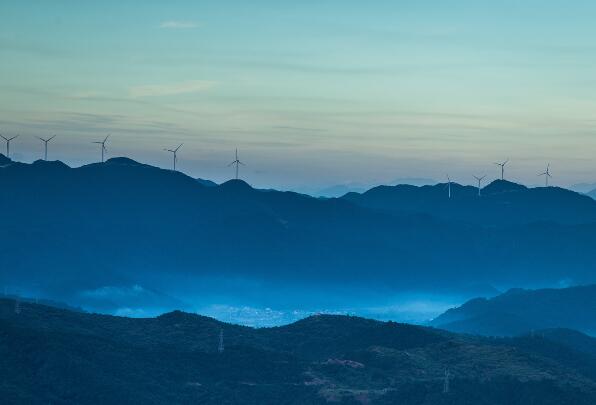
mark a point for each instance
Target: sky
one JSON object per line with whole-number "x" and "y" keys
{"x": 312, "y": 93}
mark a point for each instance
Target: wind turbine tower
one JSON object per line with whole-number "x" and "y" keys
{"x": 479, "y": 179}
{"x": 546, "y": 174}
{"x": 237, "y": 163}
{"x": 103, "y": 147}
{"x": 45, "y": 141}
{"x": 449, "y": 186}
{"x": 8, "y": 144}
{"x": 502, "y": 168}
{"x": 174, "y": 151}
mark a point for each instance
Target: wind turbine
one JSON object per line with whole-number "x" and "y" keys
{"x": 502, "y": 168}
{"x": 103, "y": 146}
{"x": 8, "y": 144}
{"x": 546, "y": 174}
{"x": 237, "y": 163}
{"x": 479, "y": 181}
{"x": 45, "y": 141}
{"x": 449, "y": 185}
{"x": 174, "y": 151}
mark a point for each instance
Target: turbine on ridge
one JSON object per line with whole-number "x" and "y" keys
{"x": 103, "y": 147}
{"x": 237, "y": 163}
{"x": 8, "y": 144}
{"x": 502, "y": 168}
{"x": 546, "y": 174}
{"x": 479, "y": 181}
{"x": 45, "y": 141}
{"x": 174, "y": 151}
{"x": 449, "y": 185}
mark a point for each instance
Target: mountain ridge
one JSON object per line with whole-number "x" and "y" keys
{"x": 501, "y": 203}
{"x": 519, "y": 311}
{"x": 56, "y": 355}
{"x": 101, "y": 229}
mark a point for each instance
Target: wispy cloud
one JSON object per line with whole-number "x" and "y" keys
{"x": 153, "y": 90}
{"x": 178, "y": 25}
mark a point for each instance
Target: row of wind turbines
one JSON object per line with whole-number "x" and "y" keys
{"x": 547, "y": 175}
{"x": 236, "y": 162}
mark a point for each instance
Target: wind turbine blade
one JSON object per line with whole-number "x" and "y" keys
{"x": 106, "y": 138}
{"x": 53, "y": 136}
{"x": 4, "y": 137}
{"x": 176, "y": 150}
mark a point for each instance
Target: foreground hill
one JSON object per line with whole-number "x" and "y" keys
{"x": 51, "y": 355}
{"x": 81, "y": 234}
{"x": 519, "y": 311}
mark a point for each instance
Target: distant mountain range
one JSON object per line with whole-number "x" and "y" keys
{"x": 583, "y": 187}
{"x": 520, "y": 311}
{"x": 207, "y": 183}
{"x": 105, "y": 234}
{"x": 52, "y": 355}
{"x": 340, "y": 190}
{"x": 501, "y": 203}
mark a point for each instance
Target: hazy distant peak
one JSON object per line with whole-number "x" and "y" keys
{"x": 414, "y": 181}
{"x": 50, "y": 164}
{"x": 502, "y": 186}
{"x": 235, "y": 185}
{"x": 519, "y": 310}
{"x": 205, "y": 182}
{"x": 123, "y": 161}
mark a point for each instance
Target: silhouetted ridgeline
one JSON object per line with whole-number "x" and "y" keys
{"x": 52, "y": 355}
{"x": 126, "y": 223}
{"x": 520, "y": 311}
{"x": 502, "y": 203}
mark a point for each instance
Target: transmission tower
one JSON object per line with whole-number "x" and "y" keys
{"x": 220, "y": 348}
{"x": 446, "y": 382}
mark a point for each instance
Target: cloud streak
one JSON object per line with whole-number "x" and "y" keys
{"x": 178, "y": 25}
{"x": 156, "y": 90}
